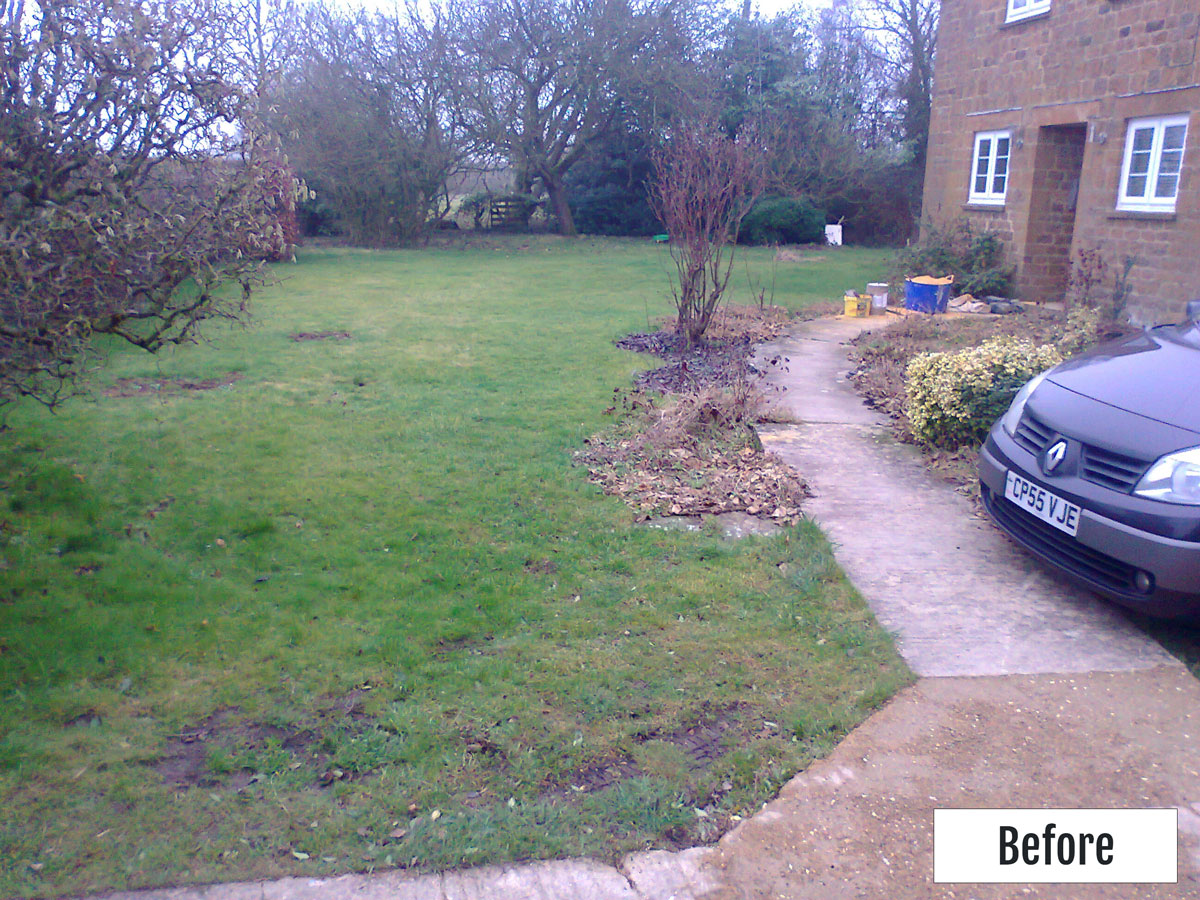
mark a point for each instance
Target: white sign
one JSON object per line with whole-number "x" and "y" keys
{"x": 1079, "y": 846}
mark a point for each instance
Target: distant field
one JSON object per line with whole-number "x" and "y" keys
{"x": 326, "y": 593}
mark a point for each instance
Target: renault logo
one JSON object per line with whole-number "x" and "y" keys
{"x": 1054, "y": 456}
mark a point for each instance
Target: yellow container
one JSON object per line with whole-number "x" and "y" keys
{"x": 858, "y": 305}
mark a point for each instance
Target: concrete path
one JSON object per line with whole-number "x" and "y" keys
{"x": 961, "y": 597}
{"x": 1081, "y": 710}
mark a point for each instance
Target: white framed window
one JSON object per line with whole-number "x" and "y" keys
{"x": 989, "y": 167}
{"x": 1153, "y": 161}
{"x": 1023, "y": 9}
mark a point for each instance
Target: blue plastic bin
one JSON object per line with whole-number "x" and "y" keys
{"x": 927, "y": 295}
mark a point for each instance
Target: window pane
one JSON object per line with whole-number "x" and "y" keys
{"x": 1166, "y": 185}
{"x": 1173, "y": 137}
{"x": 983, "y": 153}
{"x": 1139, "y": 163}
{"x": 1170, "y": 162}
{"x": 1000, "y": 176}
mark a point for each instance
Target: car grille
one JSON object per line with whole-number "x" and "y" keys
{"x": 1097, "y": 465}
{"x": 1059, "y": 548}
{"x": 1112, "y": 470}
{"x": 1033, "y": 435}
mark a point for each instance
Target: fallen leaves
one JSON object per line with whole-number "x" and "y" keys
{"x": 694, "y": 453}
{"x": 705, "y": 481}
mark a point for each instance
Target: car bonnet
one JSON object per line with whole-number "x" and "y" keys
{"x": 1155, "y": 374}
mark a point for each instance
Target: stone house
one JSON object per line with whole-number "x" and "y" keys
{"x": 1068, "y": 125}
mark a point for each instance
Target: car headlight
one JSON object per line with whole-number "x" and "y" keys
{"x": 1012, "y": 418}
{"x": 1173, "y": 479}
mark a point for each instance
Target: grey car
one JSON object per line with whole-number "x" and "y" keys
{"x": 1096, "y": 469}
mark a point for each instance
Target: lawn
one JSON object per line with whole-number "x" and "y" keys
{"x": 273, "y": 606}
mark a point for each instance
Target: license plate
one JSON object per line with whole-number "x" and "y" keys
{"x": 1037, "y": 501}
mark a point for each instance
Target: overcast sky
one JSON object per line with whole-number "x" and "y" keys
{"x": 767, "y": 8}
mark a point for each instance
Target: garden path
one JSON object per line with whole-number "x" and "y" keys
{"x": 961, "y": 598}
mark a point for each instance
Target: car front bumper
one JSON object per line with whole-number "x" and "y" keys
{"x": 1105, "y": 554}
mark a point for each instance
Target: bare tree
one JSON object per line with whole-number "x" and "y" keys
{"x": 540, "y": 80}
{"x": 903, "y": 37}
{"x": 365, "y": 115}
{"x": 705, "y": 183}
{"x": 125, "y": 198}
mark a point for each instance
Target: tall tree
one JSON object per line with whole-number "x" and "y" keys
{"x": 903, "y": 35}
{"x": 265, "y": 36}
{"x": 364, "y": 110}
{"x": 814, "y": 90}
{"x": 539, "y": 81}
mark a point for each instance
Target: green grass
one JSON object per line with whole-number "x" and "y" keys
{"x": 271, "y": 627}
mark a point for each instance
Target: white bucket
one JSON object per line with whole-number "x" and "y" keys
{"x": 879, "y": 295}
{"x": 833, "y": 235}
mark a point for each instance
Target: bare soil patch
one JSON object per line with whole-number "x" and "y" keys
{"x": 320, "y": 336}
{"x": 187, "y": 761}
{"x": 721, "y": 359}
{"x": 139, "y": 387}
{"x": 798, "y": 254}
{"x": 704, "y": 742}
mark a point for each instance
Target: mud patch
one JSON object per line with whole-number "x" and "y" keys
{"x": 475, "y": 645}
{"x": 232, "y": 740}
{"x": 593, "y": 777}
{"x": 702, "y": 743}
{"x": 320, "y": 336}
{"x": 89, "y": 718}
{"x": 138, "y": 387}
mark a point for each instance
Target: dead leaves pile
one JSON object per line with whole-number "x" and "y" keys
{"x": 694, "y": 453}
{"x": 753, "y": 324}
{"x": 683, "y": 482}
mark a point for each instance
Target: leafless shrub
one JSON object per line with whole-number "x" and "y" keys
{"x": 126, "y": 198}
{"x": 705, "y": 184}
